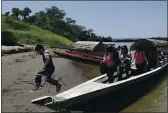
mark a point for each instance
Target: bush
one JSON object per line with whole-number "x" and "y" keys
{"x": 7, "y": 38}
{"x": 23, "y": 33}
{"x": 16, "y": 24}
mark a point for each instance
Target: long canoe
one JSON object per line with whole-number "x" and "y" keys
{"x": 94, "y": 88}
{"x": 79, "y": 55}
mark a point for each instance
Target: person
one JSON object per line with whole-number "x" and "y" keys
{"x": 125, "y": 53}
{"x": 125, "y": 58}
{"x": 140, "y": 61}
{"x": 112, "y": 63}
{"x": 161, "y": 55}
{"x": 47, "y": 70}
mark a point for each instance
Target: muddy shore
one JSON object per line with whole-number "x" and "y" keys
{"x": 18, "y": 73}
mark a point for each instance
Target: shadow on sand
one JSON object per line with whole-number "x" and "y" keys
{"x": 117, "y": 101}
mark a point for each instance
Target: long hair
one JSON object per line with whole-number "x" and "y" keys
{"x": 110, "y": 49}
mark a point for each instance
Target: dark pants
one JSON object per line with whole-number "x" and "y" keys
{"x": 141, "y": 68}
{"x": 110, "y": 72}
{"x": 45, "y": 72}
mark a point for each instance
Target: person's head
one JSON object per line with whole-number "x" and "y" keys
{"x": 124, "y": 49}
{"x": 110, "y": 49}
{"x": 39, "y": 49}
{"x": 119, "y": 47}
{"x": 138, "y": 49}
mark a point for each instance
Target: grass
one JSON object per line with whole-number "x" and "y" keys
{"x": 29, "y": 34}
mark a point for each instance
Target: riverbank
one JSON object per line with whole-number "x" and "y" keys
{"x": 18, "y": 73}
{"x": 15, "y": 49}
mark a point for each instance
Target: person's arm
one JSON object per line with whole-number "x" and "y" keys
{"x": 118, "y": 62}
{"x": 133, "y": 58}
{"x": 118, "y": 69}
{"x": 145, "y": 58}
{"x": 47, "y": 62}
{"x": 129, "y": 55}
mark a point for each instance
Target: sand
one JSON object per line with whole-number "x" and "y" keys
{"x": 18, "y": 73}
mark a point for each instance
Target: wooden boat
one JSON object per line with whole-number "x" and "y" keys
{"x": 86, "y": 50}
{"x": 94, "y": 88}
{"x": 79, "y": 55}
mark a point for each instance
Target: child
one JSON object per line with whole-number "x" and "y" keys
{"x": 47, "y": 70}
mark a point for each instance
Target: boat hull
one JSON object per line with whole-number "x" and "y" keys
{"x": 91, "y": 95}
{"x": 92, "y": 89}
{"x": 79, "y": 55}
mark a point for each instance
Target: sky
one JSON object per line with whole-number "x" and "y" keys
{"x": 118, "y": 19}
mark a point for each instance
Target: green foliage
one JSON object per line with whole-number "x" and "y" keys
{"x": 52, "y": 26}
{"x": 7, "y": 38}
{"x": 160, "y": 38}
{"x": 30, "y": 34}
{"x": 14, "y": 24}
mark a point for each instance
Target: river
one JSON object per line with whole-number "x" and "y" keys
{"x": 150, "y": 96}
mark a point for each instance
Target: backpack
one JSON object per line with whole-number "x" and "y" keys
{"x": 105, "y": 64}
{"x": 109, "y": 61}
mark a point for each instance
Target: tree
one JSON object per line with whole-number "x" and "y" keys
{"x": 15, "y": 12}
{"x": 53, "y": 19}
{"x": 21, "y": 14}
{"x": 31, "y": 19}
{"x": 41, "y": 19}
{"x": 89, "y": 32}
{"x": 70, "y": 21}
{"x": 109, "y": 38}
{"x": 55, "y": 12}
{"x": 7, "y": 13}
{"x": 26, "y": 11}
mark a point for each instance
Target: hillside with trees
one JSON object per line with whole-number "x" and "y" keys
{"x": 53, "y": 21}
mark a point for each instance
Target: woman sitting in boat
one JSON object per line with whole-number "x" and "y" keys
{"x": 111, "y": 63}
{"x": 140, "y": 61}
{"x": 125, "y": 58}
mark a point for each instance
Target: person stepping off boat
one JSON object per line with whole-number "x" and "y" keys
{"x": 111, "y": 63}
{"x": 47, "y": 70}
{"x": 125, "y": 58}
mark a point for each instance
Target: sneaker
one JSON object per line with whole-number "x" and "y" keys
{"x": 58, "y": 87}
{"x": 37, "y": 87}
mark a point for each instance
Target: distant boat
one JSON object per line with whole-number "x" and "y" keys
{"x": 86, "y": 50}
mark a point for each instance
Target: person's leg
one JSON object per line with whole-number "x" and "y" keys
{"x": 39, "y": 74}
{"x": 48, "y": 77}
{"x": 53, "y": 81}
{"x": 110, "y": 73}
{"x": 120, "y": 74}
{"x": 111, "y": 78}
{"x": 142, "y": 68}
{"x": 127, "y": 70}
{"x": 138, "y": 68}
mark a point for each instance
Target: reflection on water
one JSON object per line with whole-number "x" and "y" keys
{"x": 156, "y": 98}
{"x": 88, "y": 71}
{"x": 147, "y": 96}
